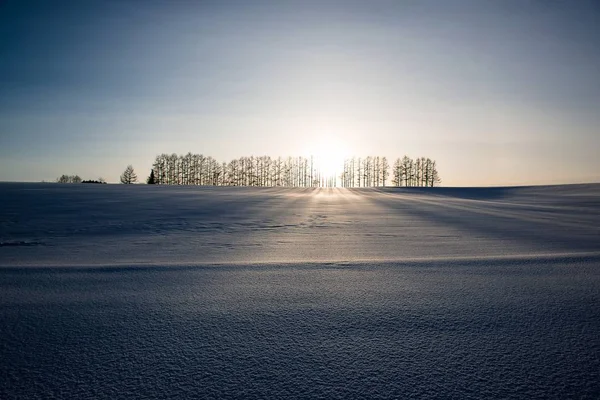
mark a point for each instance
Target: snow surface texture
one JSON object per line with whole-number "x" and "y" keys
{"x": 187, "y": 292}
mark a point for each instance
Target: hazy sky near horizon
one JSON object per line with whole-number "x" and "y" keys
{"x": 498, "y": 92}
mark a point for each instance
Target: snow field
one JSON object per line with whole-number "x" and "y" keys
{"x": 185, "y": 292}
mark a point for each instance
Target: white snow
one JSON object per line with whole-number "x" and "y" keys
{"x": 119, "y": 291}
{"x": 81, "y": 225}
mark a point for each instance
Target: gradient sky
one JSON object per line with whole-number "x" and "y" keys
{"x": 498, "y": 92}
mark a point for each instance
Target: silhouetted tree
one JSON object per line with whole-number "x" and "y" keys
{"x": 151, "y": 180}
{"x": 385, "y": 170}
{"x": 435, "y": 179}
{"x": 128, "y": 176}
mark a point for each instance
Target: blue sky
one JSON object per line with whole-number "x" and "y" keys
{"x": 498, "y": 92}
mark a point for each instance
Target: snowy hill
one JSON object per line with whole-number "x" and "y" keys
{"x": 119, "y": 291}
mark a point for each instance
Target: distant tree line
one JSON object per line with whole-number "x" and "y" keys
{"x": 77, "y": 179}
{"x": 101, "y": 181}
{"x": 68, "y": 179}
{"x": 371, "y": 171}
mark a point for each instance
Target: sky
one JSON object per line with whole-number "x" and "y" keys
{"x": 497, "y": 92}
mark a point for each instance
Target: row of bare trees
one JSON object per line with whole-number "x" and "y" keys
{"x": 365, "y": 172}
{"x": 196, "y": 169}
{"x": 375, "y": 171}
{"x": 418, "y": 172}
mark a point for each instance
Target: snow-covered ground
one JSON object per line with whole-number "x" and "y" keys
{"x": 111, "y": 291}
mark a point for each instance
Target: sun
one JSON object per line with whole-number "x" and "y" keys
{"x": 329, "y": 155}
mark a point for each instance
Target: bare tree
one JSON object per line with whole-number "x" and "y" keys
{"x": 385, "y": 170}
{"x": 435, "y": 179}
{"x": 128, "y": 176}
{"x": 397, "y": 172}
{"x": 63, "y": 179}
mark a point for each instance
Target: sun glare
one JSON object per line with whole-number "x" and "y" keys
{"x": 329, "y": 156}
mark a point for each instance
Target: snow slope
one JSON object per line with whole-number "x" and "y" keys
{"x": 191, "y": 292}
